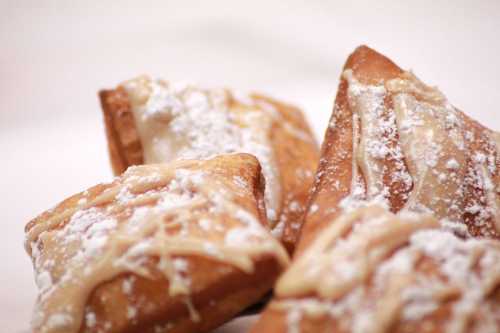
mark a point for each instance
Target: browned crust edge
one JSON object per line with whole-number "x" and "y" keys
{"x": 293, "y": 154}
{"x": 337, "y": 147}
{"x": 228, "y": 292}
{"x": 124, "y": 144}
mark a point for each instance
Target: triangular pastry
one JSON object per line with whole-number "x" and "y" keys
{"x": 179, "y": 247}
{"x": 395, "y": 144}
{"x": 371, "y": 271}
{"x": 393, "y": 139}
{"x": 154, "y": 121}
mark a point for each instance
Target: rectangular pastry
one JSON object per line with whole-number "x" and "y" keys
{"x": 179, "y": 247}
{"x": 154, "y": 121}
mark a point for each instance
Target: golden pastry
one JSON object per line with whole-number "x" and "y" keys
{"x": 154, "y": 121}
{"x": 179, "y": 247}
{"x": 395, "y": 140}
{"x": 371, "y": 271}
{"x": 395, "y": 144}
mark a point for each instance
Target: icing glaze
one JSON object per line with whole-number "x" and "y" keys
{"x": 151, "y": 214}
{"x": 371, "y": 270}
{"x": 177, "y": 121}
{"x": 406, "y": 134}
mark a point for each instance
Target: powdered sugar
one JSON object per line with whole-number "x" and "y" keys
{"x": 402, "y": 289}
{"x": 196, "y": 123}
{"x": 158, "y": 211}
{"x": 437, "y": 164}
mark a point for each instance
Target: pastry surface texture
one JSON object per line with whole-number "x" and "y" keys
{"x": 395, "y": 140}
{"x": 374, "y": 271}
{"x": 178, "y": 247}
{"x": 402, "y": 229}
{"x": 154, "y": 121}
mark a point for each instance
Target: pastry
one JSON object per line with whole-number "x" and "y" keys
{"x": 395, "y": 140}
{"x": 178, "y": 247}
{"x": 401, "y": 232}
{"x": 154, "y": 121}
{"x": 371, "y": 271}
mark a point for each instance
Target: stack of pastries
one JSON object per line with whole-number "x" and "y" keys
{"x": 215, "y": 204}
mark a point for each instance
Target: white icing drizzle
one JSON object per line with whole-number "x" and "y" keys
{"x": 371, "y": 270}
{"x": 445, "y": 166}
{"x": 434, "y": 150}
{"x": 149, "y": 212}
{"x": 178, "y": 122}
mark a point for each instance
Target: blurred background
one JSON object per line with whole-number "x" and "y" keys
{"x": 56, "y": 55}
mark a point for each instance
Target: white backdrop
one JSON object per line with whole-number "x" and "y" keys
{"x": 55, "y": 55}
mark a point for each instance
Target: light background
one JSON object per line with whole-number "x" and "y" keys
{"x": 55, "y": 55}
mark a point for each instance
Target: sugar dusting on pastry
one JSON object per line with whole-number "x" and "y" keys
{"x": 152, "y": 211}
{"x": 187, "y": 121}
{"x": 421, "y": 266}
{"x": 440, "y": 163}
{"x": 372, "y": 269}
{"x": 176, "y": 122}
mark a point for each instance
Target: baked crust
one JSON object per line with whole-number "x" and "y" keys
{"x": 290, "y": 139}
{"x": 177, "y": 270}
{"x": 357, "y": 167}
{"x": 369, "y": 69}
{"x": 373, "y": 271}
{"x": 124, "y": 145}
